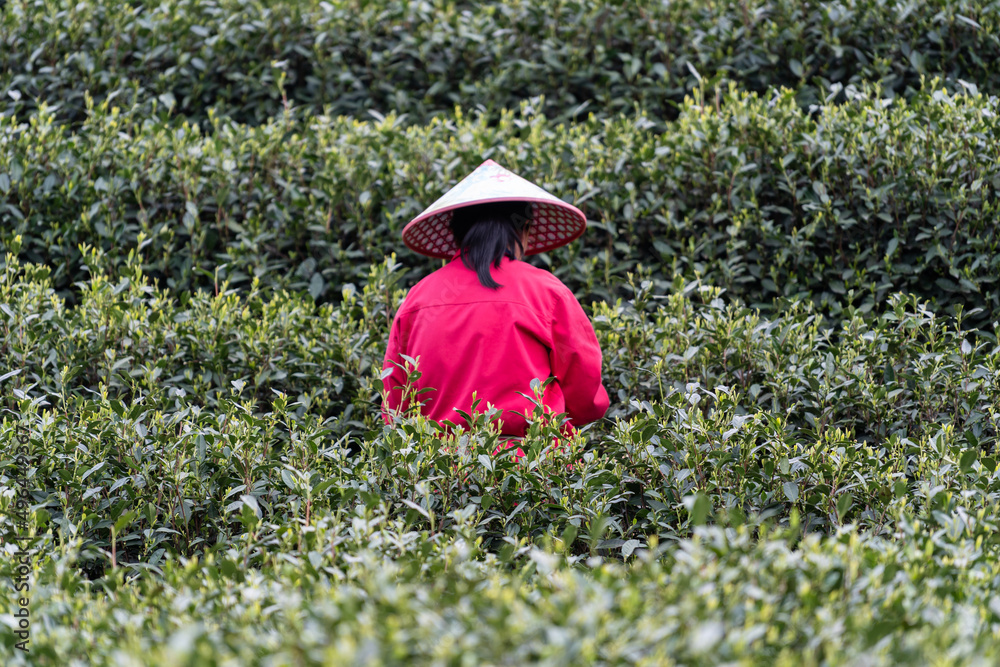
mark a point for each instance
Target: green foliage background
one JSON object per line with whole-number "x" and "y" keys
{"x": 791, "y": 266}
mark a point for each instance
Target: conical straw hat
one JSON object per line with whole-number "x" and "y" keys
{"x": 554, "y": 223}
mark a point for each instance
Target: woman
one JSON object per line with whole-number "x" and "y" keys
{"x": 487, "y": 322}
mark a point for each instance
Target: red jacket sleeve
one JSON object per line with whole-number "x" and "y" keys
{"x": 576, "y": 360}
{"x": 394, "y": 381}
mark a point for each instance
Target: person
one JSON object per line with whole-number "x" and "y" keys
{"x": 487, "y": 324}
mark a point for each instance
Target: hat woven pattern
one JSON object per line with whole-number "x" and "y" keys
{"x": 551, "y": 227}
{"x": 554, "y": 223}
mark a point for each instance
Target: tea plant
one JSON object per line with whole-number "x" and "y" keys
{"x": 843, "y": 207}
{"x": 248, "y": 60}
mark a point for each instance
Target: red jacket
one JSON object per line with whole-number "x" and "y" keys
{"x": 494, "y": 342}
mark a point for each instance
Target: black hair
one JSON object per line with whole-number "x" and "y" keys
{"x": 486, "y": 233}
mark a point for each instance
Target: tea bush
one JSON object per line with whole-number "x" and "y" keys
{"x": 756, "y": 196}
{"x": 711, "y": 399}
{"x": 208, "y": 445}
{"x": 369, "y": 590}
{"x": 246, "y": 58}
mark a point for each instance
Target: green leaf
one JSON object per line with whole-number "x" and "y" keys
{"x": 791, "y": 491}
{"x": 316, "y": 286}
{"x": 968, "y": 458}
{"x": 629, "y": 547}
{"x": 124, "y": 520}
{"x": 92, "y": 470}
{"x": 699, "y": 506}
{"x": 568, "y": 535}
{"x": 844, "y": 503}
{"x": 9, "y": 374}
{"x": 251, "y": 503}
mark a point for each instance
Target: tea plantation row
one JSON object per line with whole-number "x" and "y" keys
{"x": 363, "y": 588}
{"x": 243, "y": 431}
{"x": 246, "y": 58}
{"x": 752, "y": 194}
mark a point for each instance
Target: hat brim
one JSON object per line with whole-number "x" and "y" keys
{"x": 553, "y": 225}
